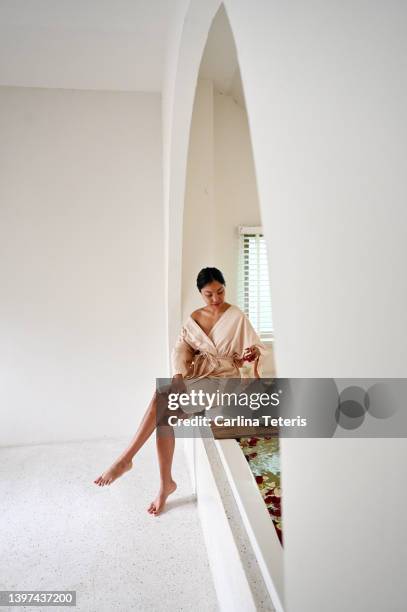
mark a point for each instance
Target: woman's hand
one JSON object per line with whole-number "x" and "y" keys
{"x": 251, "y": 354}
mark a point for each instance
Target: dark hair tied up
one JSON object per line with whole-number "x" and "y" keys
{"x": 208, "y": 275}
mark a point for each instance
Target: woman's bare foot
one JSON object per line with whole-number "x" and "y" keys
{"x": 158, "y": 504}
{"x": 118, "y": 468}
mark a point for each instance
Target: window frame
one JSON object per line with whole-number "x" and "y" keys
{"x": 250, "y": 230}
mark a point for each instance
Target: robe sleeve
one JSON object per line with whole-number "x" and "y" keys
{"x": 182, "y": 355}
{"x": 251, "y": 338}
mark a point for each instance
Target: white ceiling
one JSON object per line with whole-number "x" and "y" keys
{"x": 84, "y": 44}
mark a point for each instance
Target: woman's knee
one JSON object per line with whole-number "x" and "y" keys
{"x": 165, "y": 431}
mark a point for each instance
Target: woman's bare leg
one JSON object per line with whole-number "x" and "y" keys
{"x": 124, "y": 462}
{"x": 165, "y": 441}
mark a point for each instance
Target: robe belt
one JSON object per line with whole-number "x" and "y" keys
{"x": 214, "y": 360}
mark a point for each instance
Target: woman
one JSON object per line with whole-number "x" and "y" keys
{"x": 215, "y": 341}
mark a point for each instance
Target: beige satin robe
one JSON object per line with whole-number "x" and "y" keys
{"x": 198, "y": 355}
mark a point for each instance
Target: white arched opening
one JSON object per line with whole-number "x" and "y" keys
{"x": 325, "y": 114}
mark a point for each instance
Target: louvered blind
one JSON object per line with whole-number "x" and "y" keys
{"x": 253, "y": 284}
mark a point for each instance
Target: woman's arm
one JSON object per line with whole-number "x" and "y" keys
{"x": 251, "y": 354}
{"x": 254, "y": 347}
{"x": 181, "y": 356}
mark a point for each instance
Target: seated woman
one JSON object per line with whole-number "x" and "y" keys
{"x": 214, "y": 341}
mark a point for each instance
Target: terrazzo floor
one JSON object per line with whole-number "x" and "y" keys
{"x": 61, "y": 532}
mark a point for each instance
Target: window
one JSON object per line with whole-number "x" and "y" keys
{"x": 253, "y": 282}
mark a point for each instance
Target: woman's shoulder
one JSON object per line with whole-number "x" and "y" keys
{"x": 196, "y": 313}
{"x": 237, "y": 310}
{"x": 241, "y": 317}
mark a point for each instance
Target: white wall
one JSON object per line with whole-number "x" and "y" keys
{"x": 184, "y": 57}
{"x": 325, "y": 88}
{"x": 81, "y": 239}
{"x": 235, "y": 193}
{"x": 236, "y": 199}
{"x": 199, "y": 222}
{"x": 221, "y": 191}
{"x": 172, "y": 297}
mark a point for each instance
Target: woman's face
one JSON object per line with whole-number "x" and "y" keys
{"x": 213, "y": 294}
